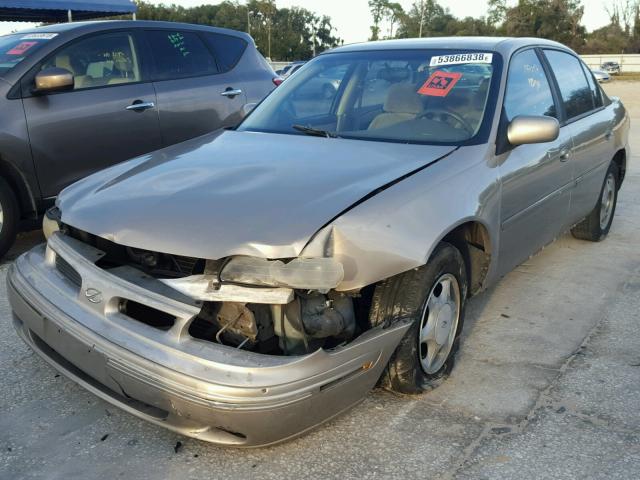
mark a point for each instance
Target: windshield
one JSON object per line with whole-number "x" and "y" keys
{"x": 409, "y": 96}
{"x": 16, "y": 47}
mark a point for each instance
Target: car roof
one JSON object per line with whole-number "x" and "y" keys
{"x": 101, "y": 25}
{"x": 503, "y": 45}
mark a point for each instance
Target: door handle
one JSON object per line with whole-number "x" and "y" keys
{"x": 231, "y": 92}
{"x": 139, "y": 106}
{"x": 565, "y": 153}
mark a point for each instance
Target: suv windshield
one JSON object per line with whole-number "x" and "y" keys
{"x": 17, "y": 46}
{"x": 408, "y": 96}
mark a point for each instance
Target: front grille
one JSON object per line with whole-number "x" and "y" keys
{"x": 68, "y": 271}
{"x": 156, "y": 264}
{"x": 185, "y": 265}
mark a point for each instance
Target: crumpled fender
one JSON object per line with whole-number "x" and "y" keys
{"x": 397, "y": 229}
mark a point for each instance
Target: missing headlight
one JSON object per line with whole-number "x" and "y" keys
{"x": 321, "y": 274}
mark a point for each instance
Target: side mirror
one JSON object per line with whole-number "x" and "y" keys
{"x": 247, "y": 108}
{"x": 53, "y": 80}
{"x": 529, "y": 129}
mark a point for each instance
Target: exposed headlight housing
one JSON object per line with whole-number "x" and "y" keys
{"x": 50, "y": 222}
{"x": 320, "y": 274}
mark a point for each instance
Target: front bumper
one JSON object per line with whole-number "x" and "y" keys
{"x": 197, "y": 388}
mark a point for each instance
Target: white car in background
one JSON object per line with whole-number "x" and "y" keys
{"x": 601, "y": 76}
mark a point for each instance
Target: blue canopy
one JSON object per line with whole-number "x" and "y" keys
{"x": 52, "y": 11}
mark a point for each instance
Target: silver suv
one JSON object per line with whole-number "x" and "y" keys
{"x": 79, "y": 97}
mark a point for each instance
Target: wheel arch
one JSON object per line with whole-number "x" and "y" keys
{"x": 20, "y": 187}
{"x": 620, "y": 159}
{"x": 472, "y": 238}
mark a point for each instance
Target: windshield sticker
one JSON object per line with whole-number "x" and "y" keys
{"x": 461, "y": 58}
{"x": 439, "y": 84}
{"x": 39, "y": 36}
{"x": 21, "y": 48}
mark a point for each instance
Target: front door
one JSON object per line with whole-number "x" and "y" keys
{"x": 108, "y": 117}
{"x": 536, "y": 179}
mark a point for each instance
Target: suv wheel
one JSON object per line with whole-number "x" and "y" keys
{"x": 8, "y": 217}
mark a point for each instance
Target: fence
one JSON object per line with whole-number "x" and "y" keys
{"x": 279, "y": 65}
{"x": 628, "y": 62}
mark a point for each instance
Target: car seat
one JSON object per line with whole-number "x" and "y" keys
{"x": 402, "y": 103}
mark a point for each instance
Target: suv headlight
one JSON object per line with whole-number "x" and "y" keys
{"x": 50, "y": 222}
{"x": 320, "y": 274}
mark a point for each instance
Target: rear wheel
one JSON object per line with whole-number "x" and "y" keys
{"x": 433, "y": 296}
{"x": 8, "y": 217}
{"x": 595, "y": 227}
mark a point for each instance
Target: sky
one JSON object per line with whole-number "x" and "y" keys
{"x": 352, "y": 18}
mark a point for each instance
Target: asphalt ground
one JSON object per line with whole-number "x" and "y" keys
{"x": 547, "y": 386}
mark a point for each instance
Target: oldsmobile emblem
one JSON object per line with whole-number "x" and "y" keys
{"x": 93, "y": 295}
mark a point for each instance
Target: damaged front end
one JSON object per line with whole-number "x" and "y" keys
{"x": 211, "y": 349}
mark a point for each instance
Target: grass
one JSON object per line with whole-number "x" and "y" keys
{"x": 626, "y": 76}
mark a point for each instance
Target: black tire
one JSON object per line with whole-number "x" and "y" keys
{"x": 10, "y": 216}
{"x": 590, "y": 228}
{"x": 405, "y": 296}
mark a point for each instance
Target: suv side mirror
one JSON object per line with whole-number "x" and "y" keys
{"x": 54, "y": 80}
{"x": 525, "y": 129}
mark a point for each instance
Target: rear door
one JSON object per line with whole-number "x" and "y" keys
{"x": 195, "y": 96}
{"x": 97, "y": 124}
{"x": 537, "y": 178}
{"x": 591, "y": 125}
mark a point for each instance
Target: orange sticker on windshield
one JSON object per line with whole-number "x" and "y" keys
{"x": 21, "y": 48}
{"x": 439, "y": 84}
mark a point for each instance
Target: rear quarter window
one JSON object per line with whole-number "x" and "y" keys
{"x": 180, "y": 54}
{"x": 228, "y": 49}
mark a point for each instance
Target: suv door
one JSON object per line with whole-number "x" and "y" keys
{"x": 537, "y": 178}
{"x": 194, "y": 96}
{"x": 591, "y": 125}
{"x": 74, "y": 133}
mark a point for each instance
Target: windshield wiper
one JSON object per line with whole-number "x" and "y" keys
{"x": 316, "y": 132}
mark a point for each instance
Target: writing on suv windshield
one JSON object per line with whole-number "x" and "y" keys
{"x": 409, "y": 96}
{"x": 17, "y": 46}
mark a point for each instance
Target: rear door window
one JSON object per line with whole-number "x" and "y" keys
{"x": 528, "y": 91}
{"x": 180, "y": 54}
{"x": 228, "y": 49}
{"x": 576, "y": 95}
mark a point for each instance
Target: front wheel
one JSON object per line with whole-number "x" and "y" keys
{"x": 433, "y": 297}
{"x": 595, "y": 227}
{"x": 9, "y": 214}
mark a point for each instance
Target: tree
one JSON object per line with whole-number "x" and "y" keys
{"x": 285, "y": 33}
{"x": 394, "y": 13}
{"x": 558, "y": 20}
{"x": 608, "y": 39}
{"x": 496, "y": 12}
{"x": 378, "y": 10}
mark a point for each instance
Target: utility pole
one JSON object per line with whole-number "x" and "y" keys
{"x": 269, "y": 36}
{"x": 421, "y": 17}
{"x": 248, "y": 20}
{"x": 313, "y": 39}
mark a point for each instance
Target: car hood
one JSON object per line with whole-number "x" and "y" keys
{"x": 232, "y": 193}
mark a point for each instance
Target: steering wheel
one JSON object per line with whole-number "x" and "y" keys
{"x": 442, "y": 112}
